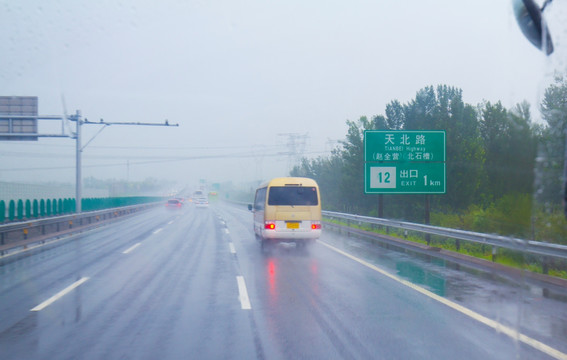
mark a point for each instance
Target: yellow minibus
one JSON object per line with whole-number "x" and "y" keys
{"x": 287, "y": 209}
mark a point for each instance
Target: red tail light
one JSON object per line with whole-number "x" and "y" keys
{"x": 269, "y": 225}
{"x": 316, "y": 225}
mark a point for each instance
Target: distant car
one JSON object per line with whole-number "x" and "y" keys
{"x": 173, "y": 204}
{"x": 201, "y": 202}
{"x": 198, "y": 194}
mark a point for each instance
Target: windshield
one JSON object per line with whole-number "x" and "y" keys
{"x": 293, "y": 195}
{"x": 139, "y": 142}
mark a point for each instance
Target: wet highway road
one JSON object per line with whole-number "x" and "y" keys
{"x": 194, "y": 284}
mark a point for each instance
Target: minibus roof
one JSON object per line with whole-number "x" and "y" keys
{"x": 289, "y": 181}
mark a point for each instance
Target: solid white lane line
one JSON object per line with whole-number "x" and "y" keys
{"x": 59, "y": 295}
{"x": 171, "y": 222}
{"x": 226, "y": 231}
{"x": 131, "y": 248}
{"x": 157, "y": 231}
{"x": 232, "y": 249}
{"x": 476, "y": 316}
{"x": 243, "y": 294}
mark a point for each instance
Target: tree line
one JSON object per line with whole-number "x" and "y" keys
{"x": 504, "y": 171}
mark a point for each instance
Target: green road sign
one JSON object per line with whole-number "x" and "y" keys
{"x": 404, "y": 178}
{"x": 404, "y": 162}
{"x": 401, "y": 145}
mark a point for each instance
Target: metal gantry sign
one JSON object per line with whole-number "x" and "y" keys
{"x": 18, "y": 118}
{"x": 404, "y": 162}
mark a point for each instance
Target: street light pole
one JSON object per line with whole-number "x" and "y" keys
{"x": 80, "y": 147}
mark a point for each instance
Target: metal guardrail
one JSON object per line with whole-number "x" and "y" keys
{"x": 526, "y": 246}
{"x": 14, "y": 235}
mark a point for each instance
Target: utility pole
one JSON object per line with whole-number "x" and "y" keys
{"x": 79, "y": 147}
{"x": 78, "y": 166}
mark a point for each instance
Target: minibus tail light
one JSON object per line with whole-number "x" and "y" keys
{"x": 316, "y": 225}
{"x": 269, "y": 225}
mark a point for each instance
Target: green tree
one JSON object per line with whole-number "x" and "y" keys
{"x": 444, "y": 109}
{"x": 495, "y": 132}
{"x": 465, "y": 154}
{"x": 552, "y": 149}
{"x": 380, "y": 122}
{"x": 395, "y": 116}
{"x": 420, "y": 112}
{"x": 522, "y": 148}
{"x": 352, "y": 154}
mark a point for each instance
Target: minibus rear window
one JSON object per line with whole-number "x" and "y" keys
{"x": 293, "y": 195}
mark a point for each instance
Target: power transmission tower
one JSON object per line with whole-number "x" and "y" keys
{"x": 296, "y": 144}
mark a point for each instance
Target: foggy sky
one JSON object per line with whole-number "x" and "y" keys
{"x": 241, "y": 76}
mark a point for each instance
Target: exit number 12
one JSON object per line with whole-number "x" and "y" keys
{"x": 383, "y": 177}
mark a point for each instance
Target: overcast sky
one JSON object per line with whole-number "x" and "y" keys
{"x": 247, "y": 81}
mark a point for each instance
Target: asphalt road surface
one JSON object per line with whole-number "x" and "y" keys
{"x": 194, "y": 284}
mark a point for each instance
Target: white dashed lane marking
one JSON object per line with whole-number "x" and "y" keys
{"x": 243, "y": 294}
{"x": 131, "y": 248}
{"x": 59, "y": 295}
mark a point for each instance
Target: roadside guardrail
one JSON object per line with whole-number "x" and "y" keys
{"x": 499, "y": 241}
